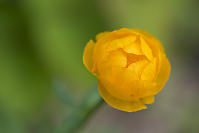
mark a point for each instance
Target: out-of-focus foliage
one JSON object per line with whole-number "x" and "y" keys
{"x": 42, "y": 41}
{"x": 60, "y": 29}
{"x": 24, "y": 82}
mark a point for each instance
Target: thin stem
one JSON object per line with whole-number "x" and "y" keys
{"x": 80, "y": 115}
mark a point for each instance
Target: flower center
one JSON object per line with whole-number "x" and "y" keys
{"x": 133, "y": 58}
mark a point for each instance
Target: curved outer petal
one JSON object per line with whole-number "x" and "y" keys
{"x": 163, "y": 73}
{"x": 88, "y": 55}
{"x": 153, "y": 87}
{"x": 147, "y": 51}
{"x": 115, "y": 86}
{"x": 148, "y": 100}
{"x": 150, "y": 38}
{"x": 120, "y": 104}
{"x": 101, "y": 35}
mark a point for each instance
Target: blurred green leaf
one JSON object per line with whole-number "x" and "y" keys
{"x": 80, "y": 115}
{"x": 24, "y": 83}
{"x": 61, "y": 29}
{"x": 63, "y": 95}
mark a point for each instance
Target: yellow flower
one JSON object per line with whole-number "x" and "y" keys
{"x": 130, "y": 65}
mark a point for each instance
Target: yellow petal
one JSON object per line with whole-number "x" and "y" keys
{"x": 101, "y": 35}
{"x": 117, "y": 58}
{"x": 164, "y": 72}
{"x": 133, "y": 48}
{"x": 149, "y": 71}
{"x": 104, "y": 40}
{"x": 138, "y": 68}
{"x": 150, "y": 38}
{"x": 117, "y": 81}
{"x": 146, "y": 49}
{"x": 143, "y": 88}
{"x": 88, "y": 55}
{"x": 120, "y": 104}
{"x": 162, "y": 77}
{"x": 121, "y": 42}
{"x": 148, "y": 100}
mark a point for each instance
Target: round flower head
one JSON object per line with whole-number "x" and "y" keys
{"x": 130, "y": 65}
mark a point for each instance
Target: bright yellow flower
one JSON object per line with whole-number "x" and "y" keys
{"x": 130, "y": 65}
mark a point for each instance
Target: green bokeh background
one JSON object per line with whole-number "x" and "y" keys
{"x": 42, "y": 76}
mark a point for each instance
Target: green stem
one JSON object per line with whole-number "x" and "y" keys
{"x": 80, "y": 115}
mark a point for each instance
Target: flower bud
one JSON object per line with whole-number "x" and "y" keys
{"x": 130, "y": 65}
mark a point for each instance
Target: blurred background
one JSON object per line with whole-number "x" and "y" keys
{"x": 42, "y": 76}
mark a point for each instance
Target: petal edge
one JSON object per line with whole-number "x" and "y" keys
{"x": 120, "y": 104}
{"x": 88, "y": 55}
